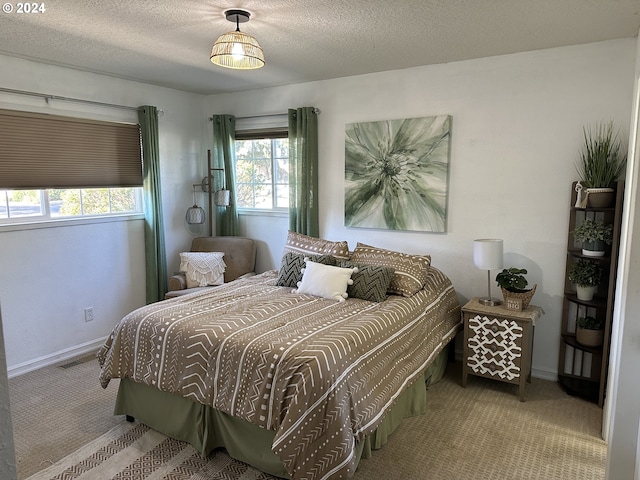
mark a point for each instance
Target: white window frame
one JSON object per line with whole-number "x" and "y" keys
{"x": 274, "y": 184}
{"x": 263, "y": 122}
{"x": 45, "y": 217}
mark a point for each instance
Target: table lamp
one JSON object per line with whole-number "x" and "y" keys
{"x": 487, "y": 255}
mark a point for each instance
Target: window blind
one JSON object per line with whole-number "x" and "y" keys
{"x": 48, "y": 151}
{"x": 257, "y": 134}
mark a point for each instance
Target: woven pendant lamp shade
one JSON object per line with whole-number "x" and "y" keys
{"x": 237, "y": 50}
{"x": 195, "y": 215}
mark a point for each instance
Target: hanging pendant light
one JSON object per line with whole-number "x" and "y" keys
{"x": 195, "y": 215}
{"x": 221, "y": 197}
{"x": 237, "y": 49}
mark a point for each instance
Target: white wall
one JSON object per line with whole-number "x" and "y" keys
{"x": 49, "y": 275}
{"x": 270, "y": 233}
{"x": 7, "y": 452}
{"x": 517, "y": 130}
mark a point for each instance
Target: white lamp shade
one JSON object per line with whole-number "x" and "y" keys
{"x": 222, "y": 198}
{"x": 487, "y": 253}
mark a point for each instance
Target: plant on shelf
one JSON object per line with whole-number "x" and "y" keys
{"x": 589, "y": 331}
{"x": 513, "y": 283}
{"x": 588, "y": 322}
{"x": 593, "y": 234}
{"x": 602, "y": 161}
{"x": 586, "y": 274}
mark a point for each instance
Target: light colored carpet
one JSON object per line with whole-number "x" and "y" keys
{"x": 479, "y": 432}
{"x": 57, "y": 410}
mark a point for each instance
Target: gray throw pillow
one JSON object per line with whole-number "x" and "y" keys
{"x": 293, "y": 263}
{"x": 370, "y": 282}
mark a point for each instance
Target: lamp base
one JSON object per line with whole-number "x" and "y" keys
{"x": 492, "y": 302}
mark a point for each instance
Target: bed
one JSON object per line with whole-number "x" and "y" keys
{"x": 297, "y": 385}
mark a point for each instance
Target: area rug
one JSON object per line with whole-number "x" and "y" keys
{"x": 146, "y": 455}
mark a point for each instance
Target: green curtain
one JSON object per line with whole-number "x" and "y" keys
{"x": 303, "y": 171}
{"x": 223, "y": 156}
{"x": 155, "y": 252}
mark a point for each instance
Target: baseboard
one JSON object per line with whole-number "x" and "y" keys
{"x": 545, "y": 374}
{"x": 56, "y": 357}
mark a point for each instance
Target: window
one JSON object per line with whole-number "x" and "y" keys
{"x": 89, "y": 167}
{"x": 38, "y": 205}
{"x": 262, "y": 170}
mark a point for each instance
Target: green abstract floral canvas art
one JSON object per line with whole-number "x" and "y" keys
{"x": 396, "y": 174}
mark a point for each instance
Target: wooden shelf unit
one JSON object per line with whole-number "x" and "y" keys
{"x": 582, "y": 370}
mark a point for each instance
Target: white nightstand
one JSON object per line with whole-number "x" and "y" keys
{"x": 498, "y": 343}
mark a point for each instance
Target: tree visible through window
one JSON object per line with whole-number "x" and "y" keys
{"x": 262, "y": 173}
{"x": 34, "y": 205}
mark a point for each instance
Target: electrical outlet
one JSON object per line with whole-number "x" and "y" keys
{"x": 88, "y": 314}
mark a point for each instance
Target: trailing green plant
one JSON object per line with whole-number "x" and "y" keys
{"x": 590, "y": 323}
{"x": 591, "y": 230}
{"x": 586, "y": 273}
{"x": 512, "y": 279}
{"x": 602, "y": 160}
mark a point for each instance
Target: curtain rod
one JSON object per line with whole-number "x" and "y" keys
{"x": 315, "y": 110}
{"x": 48, "y": 97}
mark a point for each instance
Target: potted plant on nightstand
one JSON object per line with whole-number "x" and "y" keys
{"x": 602, "y": 161}
{"x": 589, "y": 331}
{"x": 593, "y": 234}
{"x": 586, "y": 274}
{"x": 513, "y": 284}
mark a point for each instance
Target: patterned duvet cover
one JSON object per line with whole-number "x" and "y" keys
{"x": 320, "y": 373}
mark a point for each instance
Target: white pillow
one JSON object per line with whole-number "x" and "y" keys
{"x": 203, "y": 268}
{"x": 325, "y": 281}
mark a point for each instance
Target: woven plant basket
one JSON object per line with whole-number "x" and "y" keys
{"x": 525, "y": 296}
{"x": 600, "y": 197}
{"x": 589, "y": 338}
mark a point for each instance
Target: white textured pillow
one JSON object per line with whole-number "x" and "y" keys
{"x": 203, "y": 268}
{"x": 325, "y": 281}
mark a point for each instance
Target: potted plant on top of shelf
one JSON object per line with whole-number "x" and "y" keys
{"x": 586, "y": 274}
{"x": 589, "y": 331}
{"x": 594, "y": 235}
{"x": 602, "y": 162}
{"x": 513, "y": 283}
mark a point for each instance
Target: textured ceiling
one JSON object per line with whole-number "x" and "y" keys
{"x": 167, "y": 42}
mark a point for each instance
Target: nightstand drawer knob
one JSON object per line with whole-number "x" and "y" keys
{"x": 493, "y": 348}
{"x": 494, "y": 328}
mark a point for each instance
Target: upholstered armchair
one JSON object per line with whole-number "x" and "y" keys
{"x": 239, "y": 258}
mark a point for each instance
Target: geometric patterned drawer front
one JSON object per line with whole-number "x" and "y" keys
{"x": 495, "y": 347}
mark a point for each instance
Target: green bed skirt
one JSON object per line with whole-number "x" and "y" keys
{"x": 206, "y": 428}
